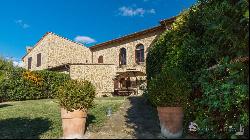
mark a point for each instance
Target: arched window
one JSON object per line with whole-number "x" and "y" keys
{"x": 123, "y": 59}
{"x": 139, "y": 53}
{"x": 100, "y": 59}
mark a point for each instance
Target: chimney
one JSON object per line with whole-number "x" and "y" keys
{"x": 28, "y": 49}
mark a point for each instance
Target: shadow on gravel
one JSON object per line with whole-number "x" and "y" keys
{"x": 143, "y": 118}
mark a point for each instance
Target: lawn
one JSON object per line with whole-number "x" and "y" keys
{"x": 40, "y": 119}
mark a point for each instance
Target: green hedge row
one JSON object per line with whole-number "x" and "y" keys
{"x": 209, "y": 45}
{"x": 18, "y": 84}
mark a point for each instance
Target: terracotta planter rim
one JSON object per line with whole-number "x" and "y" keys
{"x": 65, "y": 114}
{"x": 73, "y": 109}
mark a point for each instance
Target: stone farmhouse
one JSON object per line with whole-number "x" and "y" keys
{"x": 114, "y": 67}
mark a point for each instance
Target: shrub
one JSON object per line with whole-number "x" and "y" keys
{"x": 52, "y": 81}
{"x": 4, "y": 68}
{"x": 76, "y": 95}
{"x": 169, "y": 88}
{"x": 20, "y": 84}
{"x": 17, "y": 88}
{"x": 156, "y": 56}
{"x": 198, "y": 42}
{"x": 224, "y": 102}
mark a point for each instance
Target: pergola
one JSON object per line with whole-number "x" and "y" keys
{"x": 129, "y": 73}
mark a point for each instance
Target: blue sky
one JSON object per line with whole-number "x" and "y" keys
{"x": 24, "y": 22}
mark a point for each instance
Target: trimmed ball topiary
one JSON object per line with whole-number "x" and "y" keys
{"x": 76, "y": 95}
{"x": 169, "y": 89}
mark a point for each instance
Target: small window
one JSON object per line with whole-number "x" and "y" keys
{"x": 39, "y": 57}
{"x": 29, "y": 63}
{"x": 123, "y": 59}
{"x": 100, "y": 59}
{"x": 139, "y": 53}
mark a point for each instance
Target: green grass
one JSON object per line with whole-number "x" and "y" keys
{"x": 41, "y": 118}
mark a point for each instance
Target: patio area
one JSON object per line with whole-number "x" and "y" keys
{"x": 130, "y": 82}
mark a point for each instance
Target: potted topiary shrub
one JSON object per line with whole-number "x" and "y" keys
{"x": 169, "y": 92}
{"x": 75, "y": 98}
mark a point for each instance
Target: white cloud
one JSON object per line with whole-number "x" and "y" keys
{"x": 151, "y": 11}
{"x": 128, "y": 11}
{"x": 18, "y": 63}
{"x": 22, "y": 24}
{"x": 25, "y": 26}
{"x": 84, "y": 39}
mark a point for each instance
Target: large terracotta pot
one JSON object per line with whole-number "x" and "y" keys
{"x": 73, "y": 123}
{"x": 171, "y": 119}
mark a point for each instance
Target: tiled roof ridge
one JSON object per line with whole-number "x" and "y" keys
{"x": 66, "y": 38}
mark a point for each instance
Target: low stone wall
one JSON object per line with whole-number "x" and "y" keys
{"x": 101, "y": 75}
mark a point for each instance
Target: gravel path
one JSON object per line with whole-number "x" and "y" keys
{"x": 134, "y": 120}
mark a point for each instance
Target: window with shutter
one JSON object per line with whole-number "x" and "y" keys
{"x": 39, "y": 57}
{"x": 29, "y": 63}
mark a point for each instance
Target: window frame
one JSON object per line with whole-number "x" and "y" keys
{"x": 29, "y": 63}
{"x": 141, "y": 57}
{"x": 123, "y": 57}
{"x": 39, "y": 60}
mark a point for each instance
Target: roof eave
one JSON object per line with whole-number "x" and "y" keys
{"x": 156, "y": 28}
{"x": 168, "y": 21}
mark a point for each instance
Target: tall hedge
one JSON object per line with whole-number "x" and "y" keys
{"x": 210, "y": 43}
{"x": 51, "y": 81}
{"x": 5, "y": 67}
{"x": 19, "y": 84}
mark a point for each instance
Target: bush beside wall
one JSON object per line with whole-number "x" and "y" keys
{"x": 18, "y": 84}
{"x": 207, "y": 43}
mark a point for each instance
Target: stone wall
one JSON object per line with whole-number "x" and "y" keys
{"x": 42, "y": 47}
{"x": 111, "y": 52}
{"x": 63, "y": 51}
{"x": 101, "y": 75}
{"x": 55, "y": 51}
